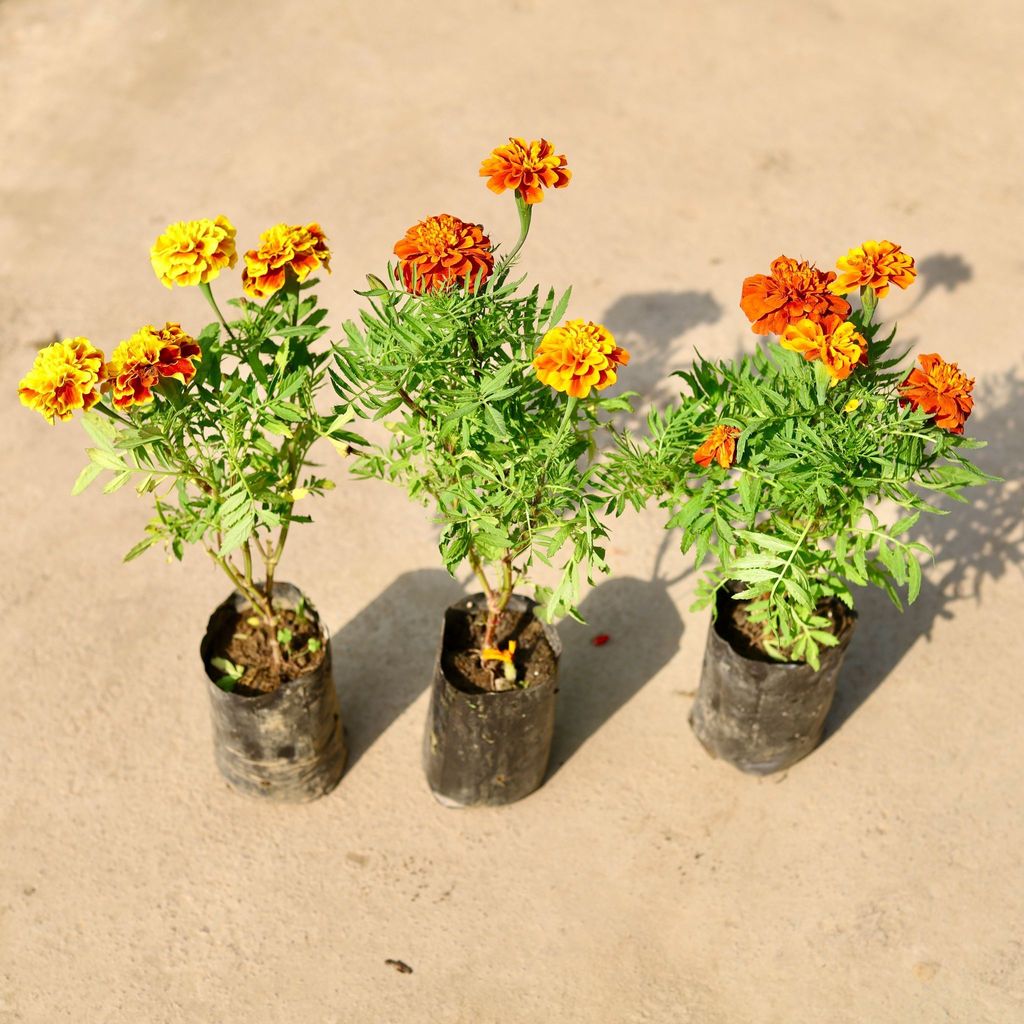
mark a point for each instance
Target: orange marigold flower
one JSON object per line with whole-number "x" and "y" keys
{"x": 64, "y": 377}
{"x": 838, "y": 345}
{"x": 875, "y": 265}
{"x": 194, "y": 251}
{"x": 526, "y": 167}
{"x": 578, "y": 356}
{"x": 442, "y": 250}
{"x": 793, "y": 291}
{"x": 139, "y": 363}
{"x": 940, "y": 389}
{"x": 720, "y": 445}
{"x": 284, "y": 247}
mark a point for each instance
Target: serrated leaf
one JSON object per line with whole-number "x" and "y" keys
{"x": 86, "y": 477}
{"x": 117, "y": 482}
{"x": 913, "y": 579}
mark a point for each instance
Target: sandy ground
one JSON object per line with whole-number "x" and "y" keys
{"x": 878, "y": 881}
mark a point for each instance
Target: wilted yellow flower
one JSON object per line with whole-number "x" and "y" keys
{"x": 505, "y": 657}
{"x": 875, "y": 265}
{"x": 284, "y": 247}
{"x": 64, "y": 377}
{"x": 852, "y": 405}
{"x": 194, "y": 251}
{"x": 496, "y": 654}
{"x": 139, "y": 363}
{"x": 578, "y": 356}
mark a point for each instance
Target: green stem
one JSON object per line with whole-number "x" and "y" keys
{"x": 251, "y": 592}
{"x": 525, "y": 211}
{"x": 208, "y": 292}
{"x": 869, "y": 302}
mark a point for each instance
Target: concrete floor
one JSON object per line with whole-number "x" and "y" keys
{"x": 878, "y": 881}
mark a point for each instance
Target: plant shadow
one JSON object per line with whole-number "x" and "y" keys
{"x": 644, "y": 628}
{"x": 383, "y": 657}
{"x": 940, "y": 270}
{"x": 649, "y": 325}
{"x": 975, "y": 544}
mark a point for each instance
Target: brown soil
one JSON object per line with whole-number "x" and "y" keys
{"x": 747, "y": 638}
{"x": 246, "y": 640}
{"x": 534, "y": 659}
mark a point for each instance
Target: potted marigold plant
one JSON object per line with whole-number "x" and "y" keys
{"x": 216, "y": 431}
{"x": 800, "y": 471}
{"x": 491, "y": 403}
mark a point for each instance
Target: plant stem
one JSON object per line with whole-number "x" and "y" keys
{"x": 208, "y": 292}
{"x": 869, "y": 302}
{"x": 525, "y": 211}
{"x": 494, "y": 605}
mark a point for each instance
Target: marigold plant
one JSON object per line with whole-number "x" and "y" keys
{"x": 801, "y": 469}
{"x": 217, "y": 428}
{"x": 491, "y": 401}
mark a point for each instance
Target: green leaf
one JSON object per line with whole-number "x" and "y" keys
{"x": 118, "y": 482}
{"x": 765, "y": 540}
{"x": 86, "y": 477}
{"x": 144, "y": 545}
{"x": 106, "y": 459}
{"x": 100, "y": 429}
{"x": 914, "y": 578}
{"x": 237, "y": 535}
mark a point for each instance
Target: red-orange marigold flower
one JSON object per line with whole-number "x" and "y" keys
{"x": 793, "y": 291}
{"x": 578, "y": 356}
{"x": 940, "y": 389}
{"x": 64, "y": 377}
{"x": 526, "y": 167}
{"x": 140, "y": 362}
{"x": 282, "y": 248}
{"x": 838, "y": 345}
{"x": 719, "y": 446}
{"x": 442, "y": 250}
{"x": 875, "y": 265}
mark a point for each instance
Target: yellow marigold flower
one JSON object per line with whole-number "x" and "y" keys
{"x": 852, "y": 405}
{"x": 284, "y": 247}
{"x": 64, "y": 377}
{"x": 526, "y": 167}
{"x": 874, "y": 265}
{"x": 139, "y": 363}
{"x": 441, "y": 250}
{"x": 839, "y": 347}
{"x": 194, "y": 251}
{"x": 578, "y": 356}
{"x": 719, "y": 445}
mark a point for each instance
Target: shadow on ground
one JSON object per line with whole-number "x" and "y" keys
{"x": 648, "y": 325}
{"x": 644, "y": 628}
{"x": 975, "y": 544}
{"x": 383, "y": 658}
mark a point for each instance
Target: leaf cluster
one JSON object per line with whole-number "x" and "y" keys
{"x": 827, "y": 483}
{"x": 226, "y": 457}
{"x": 502, "y": 459}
